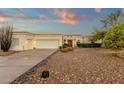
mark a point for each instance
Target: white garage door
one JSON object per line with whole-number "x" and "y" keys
{"x": 47, "y": 43}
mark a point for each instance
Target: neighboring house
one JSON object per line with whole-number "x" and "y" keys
{"x": 27, "y": 40}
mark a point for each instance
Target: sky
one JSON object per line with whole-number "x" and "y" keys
{"x": 55, "y": 20}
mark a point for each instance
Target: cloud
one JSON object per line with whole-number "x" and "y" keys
{"x": 68, "y": 16}
{"x": 98, "y": 10}
{"x": 20, "y": 16}
{"x": 65, "y": 16}
{"x": 34, "y": 19}
{"x": 2, "y": 17}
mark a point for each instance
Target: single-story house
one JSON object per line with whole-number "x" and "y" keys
{"x": 27, "y": 40}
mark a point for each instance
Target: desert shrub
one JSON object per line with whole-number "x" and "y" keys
{"x": 65, "y": 48}
{"x": 6, "y": 37}
{"x": 65, "y": 45}
{"x": 78, "y": 42}
{"x": 114, "y": 37}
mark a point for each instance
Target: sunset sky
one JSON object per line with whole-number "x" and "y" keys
{"x": 74, "y": 20}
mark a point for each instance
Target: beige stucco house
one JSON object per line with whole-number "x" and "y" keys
{"x": 27, "y": 40}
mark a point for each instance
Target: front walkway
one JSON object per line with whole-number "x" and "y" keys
{"x": 16, "y": 64}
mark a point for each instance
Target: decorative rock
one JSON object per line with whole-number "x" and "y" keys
{"x": 45, "y": 74}
{"x": 87, "y": 65}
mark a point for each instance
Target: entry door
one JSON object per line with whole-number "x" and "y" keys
{"x": 70, "y": 43}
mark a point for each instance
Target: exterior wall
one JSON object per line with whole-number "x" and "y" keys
{"x": 19, "y": 46}
{"x": 22, "y": 38}
{"x": 99, "y": 41}
{"x": 28, "y": 44}
{"x": 25, "y": 40}
{"x": 86, "y": 39}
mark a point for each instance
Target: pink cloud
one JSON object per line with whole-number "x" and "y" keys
{"x": 98, "y": 10}
{"x": 2, "y": 17}
{"x": 65, "y": 16}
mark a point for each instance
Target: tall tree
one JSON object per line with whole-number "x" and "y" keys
{"x": 108, "y": 21}
{"x": 111, "y": 19}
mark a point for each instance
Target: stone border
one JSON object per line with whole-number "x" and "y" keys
{"x": 33, "y": 69}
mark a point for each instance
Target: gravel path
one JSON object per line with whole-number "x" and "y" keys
{"x": 84, "y": 65}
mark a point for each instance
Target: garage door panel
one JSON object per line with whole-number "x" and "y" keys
{"x": 47, "y": 43}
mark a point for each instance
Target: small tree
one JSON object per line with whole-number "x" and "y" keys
{"x": 114, "y": 37}
{"x": 97, "y": 35}
{"x": 6, "y": 37}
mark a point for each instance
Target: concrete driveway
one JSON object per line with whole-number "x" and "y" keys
{"x": 16, "y": 64}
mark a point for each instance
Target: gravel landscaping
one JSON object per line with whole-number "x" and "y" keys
{"x": 84, "y": 66}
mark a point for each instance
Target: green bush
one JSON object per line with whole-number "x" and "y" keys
{"x": 65, "y": 48}
{"x": 114, "y": 38}
{"x": 65, "y": 45}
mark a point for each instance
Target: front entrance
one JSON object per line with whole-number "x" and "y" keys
{"x": 70, "y": 43}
